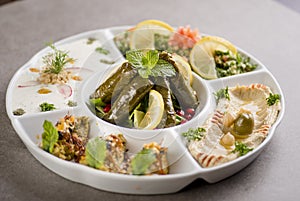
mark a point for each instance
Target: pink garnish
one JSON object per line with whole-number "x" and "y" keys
{"x": 65, "y": 90}
{"x": 185, "y": 37}
{"x": 28, "y": 84}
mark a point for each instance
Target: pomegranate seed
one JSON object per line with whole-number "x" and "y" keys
{"x": 190, "y": 111}
{"x": 180, "y": 113}
{"x": 107, "y": 108}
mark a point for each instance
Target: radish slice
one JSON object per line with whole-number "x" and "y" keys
{"x": 28, "y": 84}
{"x": 65, "y": 90}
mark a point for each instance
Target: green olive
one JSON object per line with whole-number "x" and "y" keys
{"x": 243, "y": 125}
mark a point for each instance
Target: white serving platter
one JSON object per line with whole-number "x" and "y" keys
{"x": 183, "y": 168}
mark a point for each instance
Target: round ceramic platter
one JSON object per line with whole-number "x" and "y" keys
{"x": 89, "y": 65}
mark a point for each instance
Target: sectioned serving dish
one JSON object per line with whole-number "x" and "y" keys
{"x": 183, "y": 168}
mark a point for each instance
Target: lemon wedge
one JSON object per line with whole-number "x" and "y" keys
{"x": 154, "y": 112}
{"x": 202, "y": 55}
{"x": 142, "y": 36}
{"x": 184, "y": 68}
{"x": 137, "y": 118}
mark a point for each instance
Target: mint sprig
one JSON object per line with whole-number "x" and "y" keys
{"x": 148, "y": 63}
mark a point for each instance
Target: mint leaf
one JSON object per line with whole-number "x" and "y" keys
{"x": 149, "y": 64}
{"x": 134, "y": 57}
{"x": 142, "y": 161}
{"x": 49, "y": 136}
{"x": 95, "y": 152}
{"x": 151, "y": 57}
{"x": 163, "y": 68}
{"x": 144, "y": 72}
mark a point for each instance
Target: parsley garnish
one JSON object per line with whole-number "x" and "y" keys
{"x": 56, "y": 60}
{"x": 72, "y": 103}
{"x": 241, "y": 148}
{"x": 148, "y": 63}
{"x": 49, "y": 136}
{"x": 107, "y": 61}
{"x": 194, "y": 134}
{"x": 273, "y": 99}
{"x": 90, "y": 41}
{"x": 47, "y": 107}
{"x": 222, "y": 93}
{"x": 95, "y": 152}
{"x": 101, "y": 50}
{"x": 142, "y": 161}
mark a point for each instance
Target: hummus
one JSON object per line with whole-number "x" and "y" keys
{"x": 249, "y": 102}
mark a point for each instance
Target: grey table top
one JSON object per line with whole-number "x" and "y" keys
{"x": 266, "y": 29}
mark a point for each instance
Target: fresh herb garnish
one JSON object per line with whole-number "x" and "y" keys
{"x": 273, "y": 99}
{"x": 241, "y": 148}
{"x": 90, "y": 41}
{"x": 107, "y": 61}
{"x": 148, "y": 63}
{"x": 142, "y": 161}
{"x": 97, "y": 102}
{"x": 228, "y": 63}
{"x": 47, "y": 107}
{"x": 49, "y": 136}
{"x": 72, "y": 103}
{"x": 95, "y": 152}
{"x": 19, "y": 112}
{"x": 194, "y": 134}
{"x": 56, "y": 60}
{"x": 101, "y": 50}
{"x": 222, "y": 93}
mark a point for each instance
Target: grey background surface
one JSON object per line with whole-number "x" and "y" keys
{"x": 266, "y": 29}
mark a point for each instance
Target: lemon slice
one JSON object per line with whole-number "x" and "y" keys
{"x": 154, "y": 113}
{"x": 202, "y": 55}
{"x": 184, "y": 68}
{"x": 137, "y": 118}
{"x": 142, "y": 36}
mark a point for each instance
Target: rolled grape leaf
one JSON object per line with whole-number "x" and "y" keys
{"x": 183, "y": 92}
{"x": 128, "y": 99}
{"x": 163, "y": 87}
{"x": 106, "y": 89}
